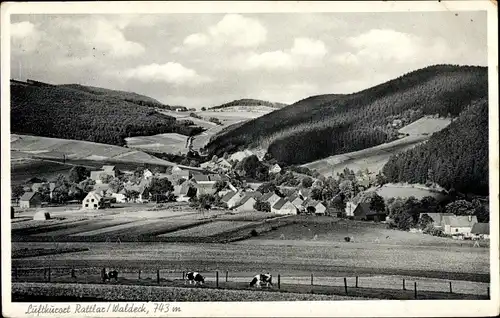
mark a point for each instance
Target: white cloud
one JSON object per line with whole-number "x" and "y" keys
{"x": 382, "y": 46}
{"x": 308, "y": 48}
{"x": 22, "y": 29}
{"x": 233, "y": 30}
{"x": 236, "y": 30}
{"x": 196, "y": 40}
{"x": 304, "y": 53}
{"x": 24, "y": 37}
{"x": 270, "y": 60}
{"x": 171, "y": 72}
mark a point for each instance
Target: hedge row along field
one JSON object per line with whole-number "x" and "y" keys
{"x": 40, "y": 291}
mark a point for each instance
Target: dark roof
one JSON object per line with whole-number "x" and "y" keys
{"x": 281, "y": 202}
{"x": 200, "y": 177}
{"x": 293, "y": 197}
{"x": 27, "y": 196}
{"x": 245, "y": 199}
{"x": 481, "y": 228}
{"x": 267, "y": 196}
{"x": 215, "y": 177}
{"x": 365, "y": 207}
{"x": 228, "y": 196}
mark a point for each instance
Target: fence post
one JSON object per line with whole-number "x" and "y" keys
{"x": 44, "y": 273}
{"x": 415, "y": 290}
{"x": 139, "y": 274}
{"x": 227, "y": 274}
{"x": 158, "y": 276}
{"x": 49, "y": 275}
{"x": 103, "y": 274}
{"x": 356, "y": 281}
{"x": 451, "y": 291}
{"x": 312, "y": 279}
{"x": 404, "y": 286}
{"x": 345, "y": 285}
{"x": 217, "y": 279}
{"x": 183, "y": 275}
{"x": 279, "y": 281}
{"x": 73, "y": 274}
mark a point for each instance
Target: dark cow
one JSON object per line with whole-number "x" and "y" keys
{"x": 107, "y": 276}
{"x": 195, "y": 277}
{"x": 260, "y": 279}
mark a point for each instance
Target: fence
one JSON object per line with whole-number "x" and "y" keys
{"x": 406, "y": 288}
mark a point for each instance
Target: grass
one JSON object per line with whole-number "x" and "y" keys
{"x": 45, "y": 251}
{"x": 425, "y": 125}
{"x": 210, "y": 229}
{"x": 38, "y": 291}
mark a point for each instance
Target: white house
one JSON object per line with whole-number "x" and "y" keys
{"x": 94, "y": 201}
{"x": 459, "y": 224}
{"x": 147, "y": 174}
{"x": 296, "y": 201}
{"x": 314, "y": 206}
{"x": 231, "y": 199}
{"x": 275, "y": 168}
{"x": 283, "y": 206}
{"x": 481, "y": 231}
{"x": 246, "y": 204}
{"x": 270, "y": 197}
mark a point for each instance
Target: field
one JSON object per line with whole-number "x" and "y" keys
{"x": 168, "y": 143}
{"x": 130, "y": 238}
{"x": 375, "y": 158}
{"x": 43, "y": 157}
{"x": 394, "y": 190}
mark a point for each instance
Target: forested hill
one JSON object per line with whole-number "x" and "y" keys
{"x": 456, "y": 157}
{"x": 126, "y": 96}
{"x": 327, "y": 125}
{"x": 249, "y": 102}
{"x": 70, "y": 113}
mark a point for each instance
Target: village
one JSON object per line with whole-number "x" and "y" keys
{"x": 243, "y": 184}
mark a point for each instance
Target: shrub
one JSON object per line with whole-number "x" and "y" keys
{"x": 254, "y": 232}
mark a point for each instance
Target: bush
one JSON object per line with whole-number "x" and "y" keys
{"x": 254, "y": 232}
{"x": 215, "y": 120}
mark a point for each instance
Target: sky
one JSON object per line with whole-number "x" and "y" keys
{"x": 203, "y": 60}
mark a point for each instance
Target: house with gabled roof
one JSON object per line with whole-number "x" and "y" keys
{"x": 297, "y": 201}
{"x": 459, "y": 224}
{"x": 437, "y": 218}
{"x": 283, "y": 206}
{"x": 246, "y": 204}
{"x": 481, "y": 231}
{"x": 30, "y": 200}
{"x": 270, "y": 197}
{"x": 94, "y": 201}
{"x": 313, "y": 206}
{"x": 363, "y": 212}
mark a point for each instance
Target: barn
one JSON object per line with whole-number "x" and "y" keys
{"x": 30, "y": 200}
{"x": 364, "y": 213}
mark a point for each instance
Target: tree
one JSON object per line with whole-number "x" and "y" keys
{"x": 307, "y": 182}
{"x": 262, "y": 206}
{"x": 346, "y": 187}
{"x": 75, "y": 193}
{"x": 17, "y": 191}
{"x": 219, "y": 185}
{"x": 205, "y": 201}
{"x": 60, "y": 194}
{"x": 424, "y": 221}
{"x": 160, "y": 187}
{"x": 317, "y": 194}
{"x": 131, "y": 195}
{"x": 480, "y": 211}
{"x": 203, "y": 109}
{"x": 377, "y": 203}
{"x": 116, "y": 185}
{"x": 78, "y": 174}
{"x": 105, "y": 178}
{"x": 460, "y": 207}
{"x": 44, "y": 191}
{"x": 87, "y": 185}
{"x": 267, "y": 187}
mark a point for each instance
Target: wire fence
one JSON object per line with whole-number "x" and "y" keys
{"x": 410, "y": 286}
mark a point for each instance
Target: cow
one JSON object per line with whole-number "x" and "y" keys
{"x": 195, "y": 277}
{"x": 262, "y": 279}
{"x": 107, "y": 276}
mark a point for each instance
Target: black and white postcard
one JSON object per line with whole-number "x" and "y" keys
{"x": 250, "y": 159}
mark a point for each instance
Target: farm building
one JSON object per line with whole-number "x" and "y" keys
{"x": 313, "y": 206}
{"x": 437, "y": 218}
{"x": 275, "y": 168}
{"x": 205, "y": 188}
{"x": 270, "y": 197}
{"x": 364, "y": 213}
{"x": 459, "y": 224}
{"x": 184, "y": 192}
{"x": 246, "y": 204}
{"x": 304, "y": 193}
{"x": 30, "y": 200}
{"x": 232, "y": 198}
{"x": 283, "y": 206}
{"x": 96, "y": 201}
{"x": 296, "y": 201}
{"x": 481, "y": 231}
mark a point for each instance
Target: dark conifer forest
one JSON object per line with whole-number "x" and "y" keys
{"x": 326, "y": 125}
{"x": 86, "y": 113}
{"x": 456, "y": 157}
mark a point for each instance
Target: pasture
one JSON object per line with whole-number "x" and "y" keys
{"x": 374, "y": 158}
{"x": 398, "y": 190}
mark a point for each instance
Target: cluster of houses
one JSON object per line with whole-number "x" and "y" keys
{"x": 31, "y": 197}
{"x": 460, "y": 226}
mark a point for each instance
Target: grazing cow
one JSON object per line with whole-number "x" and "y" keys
{"x": 262, "y": 279}
{"x": 107, "y": 276}
{"x": 195, "y": 277}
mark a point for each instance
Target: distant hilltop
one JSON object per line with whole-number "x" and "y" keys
{"x": 249, "y": 102}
